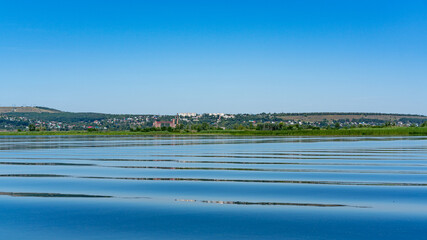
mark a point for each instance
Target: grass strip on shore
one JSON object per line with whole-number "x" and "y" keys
{"x": 390, "y": 131}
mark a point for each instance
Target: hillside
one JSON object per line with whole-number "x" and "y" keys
{"x": 318, "y": 117}
{"x": 14, "y": 118}
{"x": 28, "y": 110}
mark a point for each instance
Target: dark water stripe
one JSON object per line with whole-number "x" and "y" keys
{"x": 239, "y": 154}
{"x": 95, "y": 144}
{"x": 296, "y": 157}
{"x": 270, "y": 203}
{"x": 68, "y": 195}
{"x": 84, "y": 144}
{"x": 222, "y": 180}
{"x": 274, "y": 170}
{"x": 34, "y": 175}
{"x": 367, "y": 150}
{"x": 263, "y": 181}
{"x": 93, "y": 159}
{"x": 220, "y": 169}
{"x": 225, "y": 162}
{"x": 301, "y": 163}
{"x": 367, "y": 158}
{"x": 51, "y": 195}
{"x": 62, "y": 195}
{"x": 214, "y": 162}
{"x": 318, "y": 154}
{"x": 49, "y": 164}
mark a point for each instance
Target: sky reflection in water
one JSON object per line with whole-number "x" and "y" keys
{"x": 196, "y": 187}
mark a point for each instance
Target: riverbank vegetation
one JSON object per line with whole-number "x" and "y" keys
{"x": 363, "y": 131}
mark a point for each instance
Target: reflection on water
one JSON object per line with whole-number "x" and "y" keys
{"x": 268, "y": 203}
{"x": 51, "y": 195}
{"x": 216, "y": 180}
{"x": 156, "y": 187}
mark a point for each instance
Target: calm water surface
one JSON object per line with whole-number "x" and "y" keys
{"x": 187, "y": 187}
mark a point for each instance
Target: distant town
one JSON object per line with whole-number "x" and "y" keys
{"x": 47, "y": 119}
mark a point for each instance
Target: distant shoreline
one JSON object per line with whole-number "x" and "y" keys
{"x": 392, "y": 131}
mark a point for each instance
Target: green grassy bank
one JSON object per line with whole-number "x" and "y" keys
{"x": 392, "y": 131}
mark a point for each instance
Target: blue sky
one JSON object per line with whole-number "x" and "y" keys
{"x": 165, "y": 57}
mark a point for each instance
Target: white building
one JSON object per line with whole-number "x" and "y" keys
{"x": 187, "y": 114}
{"x": 216, "y": 114}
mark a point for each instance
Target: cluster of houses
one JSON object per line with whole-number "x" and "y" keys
{"x": 14, "y": 123}
{"x": 189, "y": 118}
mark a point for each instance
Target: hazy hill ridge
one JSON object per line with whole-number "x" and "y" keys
{"x": 28, "y": 110}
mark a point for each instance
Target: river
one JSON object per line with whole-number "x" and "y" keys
{"x": 206, "y": 187}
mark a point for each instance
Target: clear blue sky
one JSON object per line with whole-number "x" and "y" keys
{"x": 215, "y": 56}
